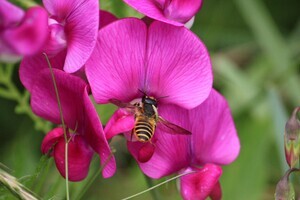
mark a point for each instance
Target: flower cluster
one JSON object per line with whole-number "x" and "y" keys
{"x": 125, "y": 61}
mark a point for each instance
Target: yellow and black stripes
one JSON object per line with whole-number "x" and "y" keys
{"x": 143, "y": 129}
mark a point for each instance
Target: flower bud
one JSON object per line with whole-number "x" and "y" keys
{"x": 292, "y": 140}
{"x": 285, "y": 189}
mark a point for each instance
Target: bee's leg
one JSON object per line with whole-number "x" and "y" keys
{"x": 156, "y": 113}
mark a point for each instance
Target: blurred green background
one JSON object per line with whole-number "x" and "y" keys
{"x": 255, "y": 49}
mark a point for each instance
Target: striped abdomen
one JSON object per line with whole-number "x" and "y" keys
{"x": 144, "y": 128}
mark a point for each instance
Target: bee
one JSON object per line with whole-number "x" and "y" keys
{"x": 147, "y": 118}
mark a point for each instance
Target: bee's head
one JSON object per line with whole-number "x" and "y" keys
{"x": 149, "y": 100}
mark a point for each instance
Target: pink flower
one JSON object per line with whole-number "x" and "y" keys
{"x": 213, "y": 142}
{"x": 162, "y": 60}
{"x": 31, "y": 65}
{"x": 83, "y": 125}
{"x": 21, "y": 33}
{"x": 175, "y": 12}
{"x": 73, "y": 28}
{"x": 71, "y": 39}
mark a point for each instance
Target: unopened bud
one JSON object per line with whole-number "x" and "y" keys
{"x": 292, "y": 139}
{"x": 285, "y": 189}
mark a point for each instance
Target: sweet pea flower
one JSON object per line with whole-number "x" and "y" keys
{"x": 213, "y": 142}
{"x": 72, "y": 35}
{"x": 175, "y": 12}
{"x": 83, "y": 126}
{"x": 38, "y": 62}
{"x": 161, "y": 60}
{"x": 73, "y": 28}
{"x": 21, "y": 33}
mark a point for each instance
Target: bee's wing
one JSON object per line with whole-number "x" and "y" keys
{"x": 171, "y": 128}
{"x": 121, "y": 104}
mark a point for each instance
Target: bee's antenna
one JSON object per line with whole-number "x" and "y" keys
{"x": 162, "y": 97}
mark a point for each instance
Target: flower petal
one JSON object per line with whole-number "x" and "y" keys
{"x": 170, "y": 155}
{"x": 152, "y": 9}
{"x": 81, "y": 28}
{"x": 29, "y": 37}
{"x": 179, "y": 66}
{"x": 7, "y": 54}
{"x": 143, "y": 152}
{"x": 216, "y": 194}
{"x": 10, "y": 15}
{"x": 214, "y": 137}
{"x": 146, "y": 152}
{"x": 120, "y": 122}
{"x": 106, "y": 18}
{"x": 116, "y": 66}
{"x": 181, "y": 10}
{"x": 70, "y": 89}
{"x": 51, "y": 139}
{"x": 79, "y": 158}
{"x": 31, "y": 66}
{"x": 95, "y": 136}
{"x": 198, "y": 186}
{"x": 82, "y": 31}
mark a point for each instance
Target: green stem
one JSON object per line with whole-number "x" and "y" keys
{"x": 160, "y": 184}
{"x": 63, "y": 125}
{"x": 154, "y": 193}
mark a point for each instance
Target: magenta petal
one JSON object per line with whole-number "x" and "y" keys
{"x": 79, "y": 158}
{"x": 10, "y": 15}
{"x": 81, "y": 30}
{"x": 199, "y": 185}
{"x": 120, "y": 122}
{"x": 96, "y": 138}
{"x": 171, "y": 154}
{"x": 30, "y": 36}
{"x": 62, "y": 9}
{"x": 51, "y": 139}
{"x": 116, "y": 67}
{"x": 214, "y": 137}
{"x": 31, "y": 66}
{"x": 182, "y": 10}
{"x": 106, "y": 18}
{"x": 216, "y": 194}
{"x": 146, "y": 152}
{"x": 179, "y": 66}
{"x": 70, "y": 89}
{"x": 152, "y": 9}
{"x": 81, "y": 19}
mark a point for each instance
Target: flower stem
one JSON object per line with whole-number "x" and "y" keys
{"x": 154, "y": 193}
{"x": 160, "y": 184}
{"x": 63, "y": 125}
